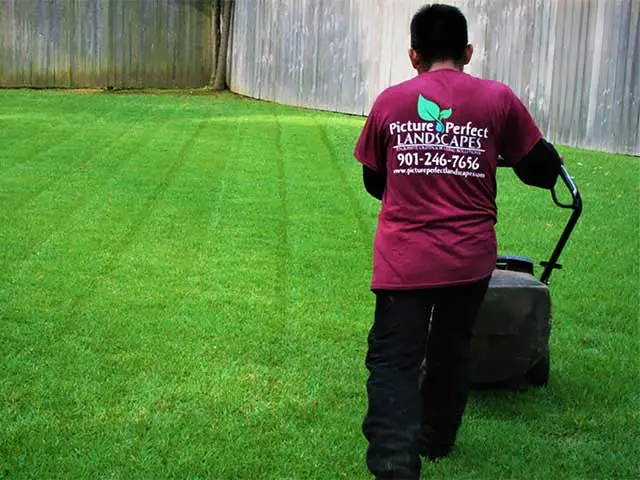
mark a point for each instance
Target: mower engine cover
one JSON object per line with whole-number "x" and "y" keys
{"x": 511, "y": 334}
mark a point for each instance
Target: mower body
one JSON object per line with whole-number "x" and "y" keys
{"x": 511, "y": 334}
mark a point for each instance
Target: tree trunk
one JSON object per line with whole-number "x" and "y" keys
{"x": 215, "y": 34}
{"x": 220, "y": 79}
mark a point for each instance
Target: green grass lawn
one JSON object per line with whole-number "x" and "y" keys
{"x": 184, "y": 294}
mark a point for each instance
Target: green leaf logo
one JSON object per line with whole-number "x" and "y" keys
{"x": 430, "y": 112}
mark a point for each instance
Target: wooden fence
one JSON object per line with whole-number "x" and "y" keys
{"x": 575, "y": 63}
{"x": 98, "y": 43}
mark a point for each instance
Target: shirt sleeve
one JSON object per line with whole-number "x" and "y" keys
{"x": 371, "y": 146}
{"x": 540, "y": 167}
{"x": 520, "y": 133}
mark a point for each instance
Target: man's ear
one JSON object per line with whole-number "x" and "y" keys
{"x": 468, "y": 53}
{"x": 415, "y": 59}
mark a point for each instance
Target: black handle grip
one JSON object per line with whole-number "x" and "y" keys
{"x": 573, "y": 189}
{"x": 576, "y": 206}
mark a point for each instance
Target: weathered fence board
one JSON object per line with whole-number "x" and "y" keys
{"x": 575, "y": 63}
{"x": 96, "y": 43}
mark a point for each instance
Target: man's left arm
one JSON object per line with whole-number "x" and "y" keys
{"x": 540, "y": 167}
{"x": 374, "y": 182}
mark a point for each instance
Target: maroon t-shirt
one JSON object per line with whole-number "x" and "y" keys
{"x": 437, "y": 137}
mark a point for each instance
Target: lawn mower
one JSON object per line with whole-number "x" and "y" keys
{"x": 511, "y": 334}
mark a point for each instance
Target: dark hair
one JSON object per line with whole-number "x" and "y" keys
{"x": 439, "y": 32}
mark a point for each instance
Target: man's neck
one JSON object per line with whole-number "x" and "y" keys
{"x": 441, "y": 65}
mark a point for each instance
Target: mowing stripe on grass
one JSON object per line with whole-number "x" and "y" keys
{"x": 346, "y": 185}
{"x": 69, "y": 205}
{"x": 282, "y": 277}
{"x": 63, "y": 196}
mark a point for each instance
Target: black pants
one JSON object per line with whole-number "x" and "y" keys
{"x": 405, "y": 418}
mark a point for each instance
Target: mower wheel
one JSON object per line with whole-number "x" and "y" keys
{"x": 538, "y": 374}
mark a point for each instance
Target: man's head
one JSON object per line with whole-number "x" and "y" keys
{"x": 439, "y": 34}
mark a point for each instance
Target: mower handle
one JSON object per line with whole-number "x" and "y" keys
{"x": 576, "y": 206}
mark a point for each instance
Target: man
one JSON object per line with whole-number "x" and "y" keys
{"x": 429, "y": 150}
